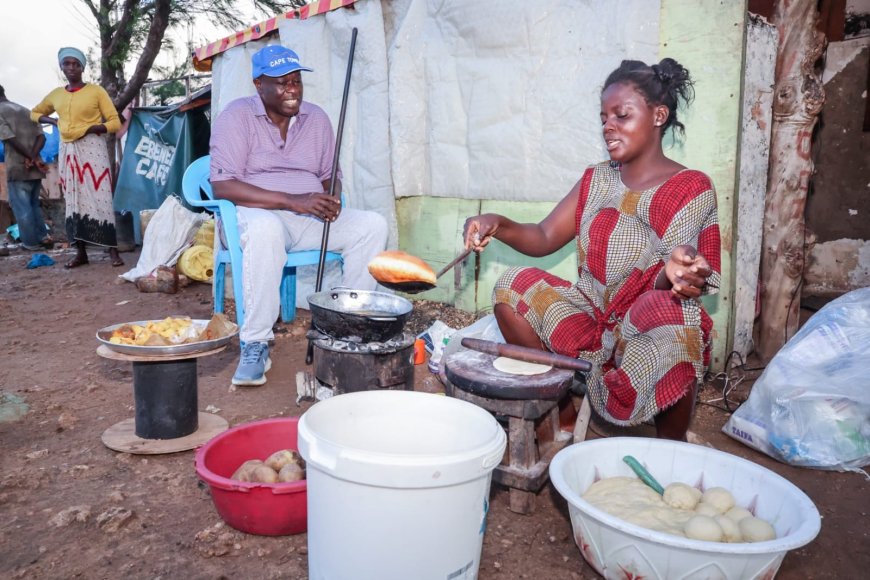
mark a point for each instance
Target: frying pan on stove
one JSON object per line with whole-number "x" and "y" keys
{"x": 359, "y": 315}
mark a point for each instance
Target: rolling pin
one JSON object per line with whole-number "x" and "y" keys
{"x": 527, "y": 354}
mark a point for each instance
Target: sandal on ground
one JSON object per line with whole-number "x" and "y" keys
{"x": 76, "y": 262}
{"x": 117, "y": 262}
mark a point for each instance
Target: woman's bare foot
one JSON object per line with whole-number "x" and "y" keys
{"x": 115, "y": 257}
{"x": 80, "y": 259}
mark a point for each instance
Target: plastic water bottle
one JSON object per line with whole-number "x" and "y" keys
{"x": 437, "y": 353}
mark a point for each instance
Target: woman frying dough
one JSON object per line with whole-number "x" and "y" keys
{"x": 647, "y": 239}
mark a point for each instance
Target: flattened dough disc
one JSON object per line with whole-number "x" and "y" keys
{"x": 472, "y": 371}
{"x": 513, "y": 366}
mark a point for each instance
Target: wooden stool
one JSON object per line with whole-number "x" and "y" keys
{"x": 527, "y": 406}
{"x": 165, "y": 405}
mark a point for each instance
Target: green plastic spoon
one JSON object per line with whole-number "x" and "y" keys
{"x": 643, "y": 474}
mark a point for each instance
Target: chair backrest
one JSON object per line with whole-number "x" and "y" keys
{"x": 195, "y": 181}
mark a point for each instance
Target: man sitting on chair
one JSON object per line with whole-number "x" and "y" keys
{"x": 271, "y": 155}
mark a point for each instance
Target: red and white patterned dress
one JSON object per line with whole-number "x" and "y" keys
{"x": 646, "y": 345}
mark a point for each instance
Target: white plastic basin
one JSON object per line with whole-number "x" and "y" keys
{"x": 619, "y": 549}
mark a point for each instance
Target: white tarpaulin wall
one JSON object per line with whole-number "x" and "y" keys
{"x": 450, "y": 98}
{"x": 500, "y": 100}
{"x": 323, "y": 44}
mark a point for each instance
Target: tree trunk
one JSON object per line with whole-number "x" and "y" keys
{"x": 798, "y": 98}
{"x": 159, "y": 23}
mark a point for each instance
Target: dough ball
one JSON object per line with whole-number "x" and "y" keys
{"x": 730, "y": 529}
{"x": 682, "y": 496}
{"x": 756, "y": 530}
{"x": 705, "y": 509}
{"x": 720, "y": 498}
{"x": 703, "y": 528}
{"x": 737, "y": 513}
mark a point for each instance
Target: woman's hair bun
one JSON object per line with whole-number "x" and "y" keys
{"x": 669, "y": 71}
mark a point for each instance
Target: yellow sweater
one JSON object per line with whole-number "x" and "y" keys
{"x": 77, "y": 111}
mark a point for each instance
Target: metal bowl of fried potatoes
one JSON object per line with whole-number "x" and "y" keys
{"x": 170, "y": 336}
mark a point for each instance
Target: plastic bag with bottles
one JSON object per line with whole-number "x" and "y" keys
{"x": 811, "y": 406}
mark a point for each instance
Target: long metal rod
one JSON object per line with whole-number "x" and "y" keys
{"x": 309, "y": 356}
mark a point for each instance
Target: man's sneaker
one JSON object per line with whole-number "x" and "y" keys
{"x": 253, "y": 364}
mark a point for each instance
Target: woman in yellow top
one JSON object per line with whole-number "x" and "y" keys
{"x": 85, "y": 114}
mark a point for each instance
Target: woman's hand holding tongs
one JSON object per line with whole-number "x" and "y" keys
{"x": 479, "y": 230}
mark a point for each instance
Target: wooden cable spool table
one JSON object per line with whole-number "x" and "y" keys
{"x": 529, "y": 408}
{"x": 167, "y": 418}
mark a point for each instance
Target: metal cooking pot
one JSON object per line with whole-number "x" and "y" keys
{"x": 359, "y": 315}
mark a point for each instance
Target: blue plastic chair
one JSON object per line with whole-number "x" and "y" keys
{"x": 194, "y": 183}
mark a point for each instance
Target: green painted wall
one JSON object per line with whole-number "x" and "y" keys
{"x": 704, "y": 35}
{"x": 431, "y": 228}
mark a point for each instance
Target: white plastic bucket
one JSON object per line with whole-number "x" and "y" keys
{"x": 398, "y": 485}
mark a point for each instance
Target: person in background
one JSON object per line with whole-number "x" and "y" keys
{"x": 23, "y": 140}
{"x": 647, "y": 237}
{"x": 272, "y": 155}
{"x": 85, "y": 115}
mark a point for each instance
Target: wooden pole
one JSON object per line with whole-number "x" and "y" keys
{"x": 798, "y": 99}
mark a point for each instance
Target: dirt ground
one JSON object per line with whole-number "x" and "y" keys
{"x": 70, "y": 507}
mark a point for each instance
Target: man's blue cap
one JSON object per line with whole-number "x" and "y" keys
{"x": 275, "y": 61}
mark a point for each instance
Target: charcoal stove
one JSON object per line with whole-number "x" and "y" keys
{"x": 346, "y": 366}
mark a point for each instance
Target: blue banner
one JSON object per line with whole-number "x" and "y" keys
{"x": 160, "y": 144}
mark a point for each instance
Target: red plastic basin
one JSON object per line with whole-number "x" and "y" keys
{"x": 266, "y": 509}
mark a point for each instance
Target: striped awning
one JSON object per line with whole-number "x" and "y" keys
{"x": 202, "y": 56}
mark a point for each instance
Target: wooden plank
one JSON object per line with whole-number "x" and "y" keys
{"x": 547, "y": 431}
{"x": 122, "y": 437}
{"x": 832, "y": 19}
{"x": 866, "y": 126}
{"x": 522, "y": 502}
{"x": 758, "y": 79}
{"x": 521, "y": 434}
{"x": 582, "y": 423}
{"x": 531, "y": 478}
